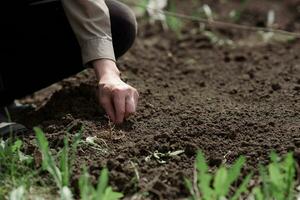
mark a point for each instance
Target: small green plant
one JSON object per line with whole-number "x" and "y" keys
{"x": 61, "y": 174}
{"x": 101, "y": 192}
{"x": 14, "y": 166}
{"x": 174, "y": 23}
{"x": 208, "y": 186}
{"x": 278, "y": 179}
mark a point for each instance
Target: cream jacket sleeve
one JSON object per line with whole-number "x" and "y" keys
{"x": 90, "y": 22}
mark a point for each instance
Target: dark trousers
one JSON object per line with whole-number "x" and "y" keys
{"x": 39, "y": 48}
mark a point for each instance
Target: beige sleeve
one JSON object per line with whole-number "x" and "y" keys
{"x": 91, "y": 23}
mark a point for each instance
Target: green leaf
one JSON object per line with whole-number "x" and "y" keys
{"x": 233, "y": 173}
{"x": 242, "y": 188}
{"x": 102, "y": 183}
{"x": 86, "y": 189}
{"x": 16, "y": 146}
{"x": 111, "y": 195}
{"x": 258, "y": 194}
{"x": 201, "y": 162}
{"x": 188, "y": 184}
{"x": 275, "y": 175}
{"x": 48, "y": 161}
{"x": 235, "y": 170}
{"x": 174, "y": 23}
{"x": 204, "y": 178}
{"x": 64, "y": 164}
{"x": 265, "y": 181}
{"x": 220, "y": 183}
{"x": 274, "y": 157}
{"x": 289, "y": 168}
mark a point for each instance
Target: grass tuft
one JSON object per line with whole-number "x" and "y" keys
{"x": 277, "y": 180}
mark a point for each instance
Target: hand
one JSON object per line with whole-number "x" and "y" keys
{"x": 118, "y": 99}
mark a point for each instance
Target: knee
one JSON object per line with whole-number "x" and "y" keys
{"x": 123, "y": 26}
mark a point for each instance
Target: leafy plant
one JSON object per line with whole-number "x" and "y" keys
{"x": 102, "y": 191}
{"x": 208, "y": 186}
{"x": 62, "y": 173}
{"x": 14, "y": 166}
{"x": 278, "y": 179}
{"x": 174, "y": 23}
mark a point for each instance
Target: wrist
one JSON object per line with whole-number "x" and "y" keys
{"x": 105, "y": 68}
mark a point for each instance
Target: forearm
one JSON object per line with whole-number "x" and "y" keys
{"x": 90, "y": 21}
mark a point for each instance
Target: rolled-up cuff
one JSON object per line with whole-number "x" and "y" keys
{"x": 97, "y": 48}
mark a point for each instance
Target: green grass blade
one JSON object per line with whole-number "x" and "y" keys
{"x": 85, "y": 186}
{"x": 274, "y": 158}
{"x": 289, "y": 165}
{"x": 64, "y": 164}
{"x": 258, "y": 195}
{"x": 265, "y": 181}
{"x": 111, "y": 195}
{"x": 220, "y": 182}
{"x": 242, "y": 188}
{"x": 235, "y": 170}
{"x": 174, "y": 23}
{"x": 275, "y": 176}
{"x": 201, "y": 162}
{"x": 48, "y": 161}
{"x": 16, "y": 146}
{"x": 204, "y": 178}
{"x": 102, "y": 183}
{"x": 188, "y": 184}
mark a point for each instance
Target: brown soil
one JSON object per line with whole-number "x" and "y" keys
{"x": 226, "y": 101}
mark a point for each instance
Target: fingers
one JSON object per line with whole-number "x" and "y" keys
{"x": 119, "y": 103}
{"x": 119, "y": 100}
{"x": 107, "y": 104}
{"x": 131, "y": 103}
{"x": 130, "y": 106}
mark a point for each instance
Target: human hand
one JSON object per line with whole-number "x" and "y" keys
{"x": 118, "y": 99}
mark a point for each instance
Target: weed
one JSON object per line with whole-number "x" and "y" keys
{"x": 278, "y": 179}
{"x": 208, "y": 186}
{"x": 102, "y": 191}
{"x": 61, "y": 174}
{"x": 14, "y": 166}
{"x": 174, "y": 23}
